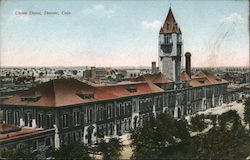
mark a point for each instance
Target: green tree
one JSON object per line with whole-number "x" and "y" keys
{"x": 111, "y": 149}
{"x": 74, "y": 150}
{"x": 74, "y": 72}
{"x": 41, "y": 74}
{"x": 224, "y": 140}
{"x": 159, "y": 137}
{"x": 60, "y": 72}
{"x": 230, "y": 119}
{"x": 198, "y": 122}
{"x": 216, "y": 143}
{"x": 247, "y": 111}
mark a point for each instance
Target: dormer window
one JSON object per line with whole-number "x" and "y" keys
{"x": 202, "y": 81}
{"x": 85, "y": 95}
{"x": 132, "y": 89}
{"x": 218, "y": 79}
{"x": 30, "y": 98}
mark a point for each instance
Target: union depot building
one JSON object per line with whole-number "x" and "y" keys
{"x": 65, "y": 110}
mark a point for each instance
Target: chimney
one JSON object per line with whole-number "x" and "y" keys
{"x": 188, "y": 63}
{"x": 154, "y": 70}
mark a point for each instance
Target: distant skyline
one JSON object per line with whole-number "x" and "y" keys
{"x": 120, "y": 33}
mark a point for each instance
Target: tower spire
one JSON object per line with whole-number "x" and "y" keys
{"x": 170, "y": 25}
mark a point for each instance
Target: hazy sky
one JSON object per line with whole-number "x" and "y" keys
{"x": 121, "y": 33}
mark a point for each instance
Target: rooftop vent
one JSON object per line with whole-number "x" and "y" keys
{"x": 85, "y": 95}
{"x": 132, "y": 89}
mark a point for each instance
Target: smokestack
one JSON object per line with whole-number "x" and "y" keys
{"x": 154, "y": 70}
{"x": 188, "y": 63}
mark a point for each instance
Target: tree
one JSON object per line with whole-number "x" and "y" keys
{"x": 230, "y": 119}
{"x": 216, "y": 143}
{"x": 247, "y": 111}
{"x": 60, "y": 72}
{"x": 198, "y": 122}
{"x": 74, "y": 150}
{"x": 41, "y": 74}
{"x": 111, "y": 149}
{"x": 74, "y": 72}
{"x": 224, "y": 140}
{"x": 19, "y": 153}
{"x": 159, "y": 137}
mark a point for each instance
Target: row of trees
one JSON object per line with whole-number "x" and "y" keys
{"x": 165, "y": 137}
{"x": 109, "y": 150}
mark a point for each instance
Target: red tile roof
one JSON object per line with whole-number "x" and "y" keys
{"x": 185, "y": 76}
{"x": 23, "y": 132}
{"x": 204, "y": 78}
{"x": 170, "y": 25}
{"x": 157, "y": 78}
{"x": 7, "y": 127}
{"x": 62, "y": 92}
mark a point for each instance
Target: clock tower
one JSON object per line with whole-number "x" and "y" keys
{"x": 170, "y": 48}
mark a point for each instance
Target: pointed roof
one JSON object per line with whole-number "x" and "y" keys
{"x": 185, "y": 76}
{"x": 204, "y": 78}
{"x": 170, "y": 25}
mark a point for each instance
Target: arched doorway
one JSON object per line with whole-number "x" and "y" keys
{"x": 135, "y": 121}
{"x": 89, "y": 134}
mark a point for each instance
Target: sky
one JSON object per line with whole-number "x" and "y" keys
{"x": 120, "y": 33}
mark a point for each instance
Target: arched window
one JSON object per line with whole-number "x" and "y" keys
{"x": 16, "y": 118}
{"x": 49, "y": 120}
{"x": 40, "y": 120}
{"x": 8, "y": 117}
{"x": 28, "y": 119}
{"x": 76, "y": 117}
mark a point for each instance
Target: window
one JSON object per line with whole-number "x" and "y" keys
{"x": 16, "y": 118}
{"x": 132, "y": 89}
{"x": 120, "y": 109}
{"x": 85, "y": 95}
{"x": 167, "y": 39}
{"x": 28, "y": 119}
{"x": 89, "y": 115}
{"x": 109, "y": 110}
{"x": 8, "y": 117}
{"x": 74, "y": 136}
{"x": 179, "y": 38}
{"x": 135, "y": 107}
{"x": 76, "y": 118}
{"x": 125, "y": 124}
{"x": 34, "y": 145}
{"x": 101, "y": 113}
{"x": 30, "y": 99}
{"x": 49, "y": 122}
{"x": 98, "y": 114}
{"x": 47, "y": 142}
{"x": 69, "y": 138}
{"x": 40, "y": 118}
{"x": 65, "y": 120}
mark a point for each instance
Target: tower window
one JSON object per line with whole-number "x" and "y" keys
{"x": 167, "y": 39}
